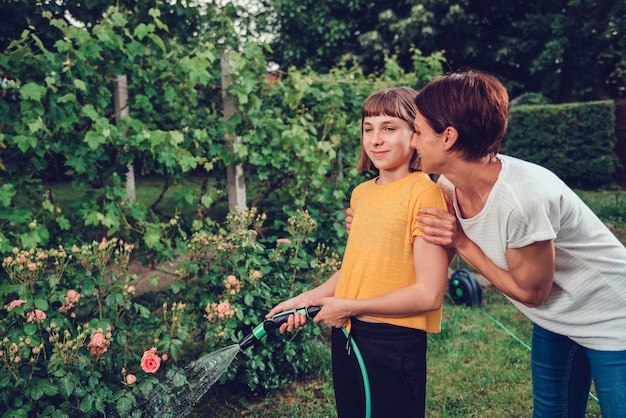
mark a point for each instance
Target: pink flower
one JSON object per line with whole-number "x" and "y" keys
{"x": 232, "y": 279}
{"x": 131, "y": 379}
{"x": 223, "y": 307}
{"x": 32, "y": 266}
{"x": 37, "y": 316}
{"x": 71, "y": 297}
{"x": 256, "y": 274}
{"x": 15, "y": 304}
{"x": 150, "y": 362}
{"x": 283, "y": 241}
{"x": 98, "y": 344}
{"x": 130, "y": 290}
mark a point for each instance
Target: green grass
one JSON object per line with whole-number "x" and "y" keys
{"x": 478, "y": 366}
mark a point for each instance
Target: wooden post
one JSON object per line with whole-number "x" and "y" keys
{"x": 234, "y": 172}
{"x": 120, "y": 98}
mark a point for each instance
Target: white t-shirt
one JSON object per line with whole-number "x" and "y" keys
{"x": 527, "y": 204}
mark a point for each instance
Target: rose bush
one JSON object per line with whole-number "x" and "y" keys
{"x": 78, "y": 341}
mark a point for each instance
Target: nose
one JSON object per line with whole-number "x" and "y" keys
{"x": 376, "y": 138}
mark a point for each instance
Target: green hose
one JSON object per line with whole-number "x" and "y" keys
{"x": 366, "y": 380}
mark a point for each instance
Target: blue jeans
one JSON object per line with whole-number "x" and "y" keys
{"x": 562, "y": 371}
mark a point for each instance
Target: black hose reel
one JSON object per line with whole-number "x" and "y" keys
{"x": 464, "y": 289}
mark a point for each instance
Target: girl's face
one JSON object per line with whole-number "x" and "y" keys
{"x": 428, "y": 143}
{"x": 387, "y": 142}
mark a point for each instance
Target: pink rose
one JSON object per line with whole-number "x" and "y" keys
{"x": 98, "y": 344}
{"x": 71, "y": 296}
{"x": 223, "y": 307}
{"x": 131, "y": 379}
{"x": 15, "y": 304}
{"x": 37, "y": 316}
{"x": 150, "y": 362}
{"x": 256, "y": 274}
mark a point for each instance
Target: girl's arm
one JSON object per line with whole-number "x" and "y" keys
{"x": 307, "y": 298}
{"x": 431, "y": 269}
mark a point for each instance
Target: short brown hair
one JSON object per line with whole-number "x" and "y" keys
{"x": 475, "y": 103}
{"x": 396, "y": 102}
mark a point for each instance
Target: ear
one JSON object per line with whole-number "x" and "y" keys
{"x": 450, "y": 135}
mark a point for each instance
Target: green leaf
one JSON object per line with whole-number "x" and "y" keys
{"x": 48, "y": 387}
{"x": 158, "y": 41}
{"x": 68, "y": 97}
{"x": 80, "y": 85}
{"x": 25, "y": 142}
{"x": 33, "y": 91}
{"x": 36, "y": 391}
{"x": 66, "y": 386}
{"x": 142, "y": 30}
{"x": 152, "y": 237}
{"x": 7, "y": 191}
{"x": 63, "y": 223}
{"x": 248, "y": 299}
{"x": 94, "y": 140}
{"x": 125, "y": 404}
{"x": 175, "y": 347}
{"x": 86, "y": 404}
{"x": 41, "y": 304}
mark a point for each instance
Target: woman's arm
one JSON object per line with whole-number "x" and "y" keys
{"x": 530, "y": 275}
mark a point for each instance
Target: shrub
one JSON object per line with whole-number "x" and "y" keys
{"x": 77, "y": 341}
{"x": 575, "y": 140}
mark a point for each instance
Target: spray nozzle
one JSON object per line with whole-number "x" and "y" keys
{"x": 273, "y": 323}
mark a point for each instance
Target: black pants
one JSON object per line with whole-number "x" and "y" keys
{"x": 395, "y": 359}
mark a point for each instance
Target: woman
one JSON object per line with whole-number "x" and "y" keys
{"x": 531, "y": 236}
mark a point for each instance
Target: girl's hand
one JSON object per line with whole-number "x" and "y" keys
{"x": 294, "y": 321}
{"x": 335, "y": 311}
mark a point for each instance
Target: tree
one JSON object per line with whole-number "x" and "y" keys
{"x": 567, "y": 49}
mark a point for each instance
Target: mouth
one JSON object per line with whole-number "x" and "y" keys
{"x": 378, "y": 153}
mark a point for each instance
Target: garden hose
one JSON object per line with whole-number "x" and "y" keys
{"x": 274, "y": 323}
{"x": 366, "y": 380}
{"x": 463, "y": 288}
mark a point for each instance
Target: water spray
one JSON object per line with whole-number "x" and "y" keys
{"x": 274, "y": 323}
{"x": 180, "y": 393}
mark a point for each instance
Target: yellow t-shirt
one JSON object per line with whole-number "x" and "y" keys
{"x": 379, "y": 253}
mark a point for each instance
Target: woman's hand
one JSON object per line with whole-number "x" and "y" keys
{"x": 440, "y": 227}
{"x": 349, "y": 216}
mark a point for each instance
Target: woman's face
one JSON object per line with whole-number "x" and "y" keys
{"x": 429, "y": 145}
{"x": 387, "y": 142}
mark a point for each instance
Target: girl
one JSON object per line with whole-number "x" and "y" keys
{"x": 390, "y": 288}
